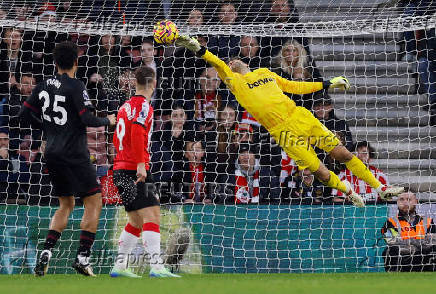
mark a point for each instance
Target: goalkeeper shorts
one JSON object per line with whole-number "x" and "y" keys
{"x": 299, "y": 134}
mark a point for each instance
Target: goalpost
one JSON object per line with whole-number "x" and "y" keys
{"x": 384, "y": 49}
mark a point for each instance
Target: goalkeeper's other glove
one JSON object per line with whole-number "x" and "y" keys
{"x": 340, "y": 82}
{"x": 189, "y": 43}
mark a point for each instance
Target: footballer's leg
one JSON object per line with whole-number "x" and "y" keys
{"x": 134, "y": 202}
{"x": 88, "y": 227}
{"x": 89, "y": 191}
{"x": 57, "y": 225}
{"x": 358, "y": 168}
{"x": 151, "y": 229}
{"x": 297, "y": 138}
{"x": 323, "y": 138}
{"x": 151, "y": 240}
{"x": 61, "y": 177}
{"x": 127, "y": 242}
{"x": 330, "y": 179}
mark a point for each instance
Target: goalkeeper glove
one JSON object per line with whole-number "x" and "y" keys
{"x": 189, "y": 43}
{"x": 340, "y": 82}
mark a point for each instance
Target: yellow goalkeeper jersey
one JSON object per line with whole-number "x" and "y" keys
{"x": 260, "y": 92}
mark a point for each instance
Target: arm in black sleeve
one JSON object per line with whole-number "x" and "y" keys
{"x": 81, "y": 102}
{"x": 89, "y": 120}
{"x": 30, "y": 112}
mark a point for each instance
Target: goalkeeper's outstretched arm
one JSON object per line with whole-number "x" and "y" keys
{"x": 224, "y": 71}
{"x": 227, "y": 75}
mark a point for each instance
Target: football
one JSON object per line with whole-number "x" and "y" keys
{"x": 165, "y": 32}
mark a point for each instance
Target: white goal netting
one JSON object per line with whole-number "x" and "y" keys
{"x": 223, "y": 181}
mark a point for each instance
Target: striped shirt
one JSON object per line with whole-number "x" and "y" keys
{"x": 360, "y": 187}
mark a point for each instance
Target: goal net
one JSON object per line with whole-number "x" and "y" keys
{"x": 228, "y": 191}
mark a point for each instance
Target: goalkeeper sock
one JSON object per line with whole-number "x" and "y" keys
{"x": 335, "y": 183}
{"x": 51, "y": 240}
{"x": 362, "y": 172}
{"x": 151, "y": 240}
{"x": 127, "y": 242}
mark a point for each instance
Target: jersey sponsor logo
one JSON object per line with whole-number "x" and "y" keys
{"x": 54, "y": 82}
{"x": 259, "y": 82}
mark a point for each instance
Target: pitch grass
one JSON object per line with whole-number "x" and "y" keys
{"x": 368, "y": 283}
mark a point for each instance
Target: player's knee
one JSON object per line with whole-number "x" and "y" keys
{"x": 341, "y": 154}
{"x": 93, "y": 203}
{"x": 66, "y": 204}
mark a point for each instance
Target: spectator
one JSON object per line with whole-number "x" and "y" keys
{"x": 422, "y": 43}
{"x": 20, "y": 12}
{"x": 324, "y": 111}
{"x": 99, "y": 148}
{"x": 103, "y": 78}
{"x": 40, "y": 186}
{"x": 46, "y": 13}
{"x": 171, "y": 140}
{"x": 283, "y": 11}
{"x": 148, "y": 59}
{"x": 225, "y": 46}
{"x": 218, "y": 141}
{"x": 207, "y": 100}
{"x": 308, "y": 190}
{"x": 365, "y": 153}
{"x": 68, "y": 11}
{"x": 288, "y": 170}
{"x": 3, "y": 13}
{"x": 12, "y": 53}
{"x": 411, "y": 239}
{"x": 126, "y": 88}
{"x": 14, "y": 172}
{"x": 269, "y": 150}
{"x": 249, "y": 53}
{"x": 19, "y": 93}
{"x": 293, "y": 63}
{"x": 179, "y": 74}
{"x": 195, "y": 18}
{"x": 249, "y": 182}
{"x": 194, "y": 188}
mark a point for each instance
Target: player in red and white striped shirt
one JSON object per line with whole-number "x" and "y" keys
{"x": 365, "y": 153}
{"x": 133, "y": 178}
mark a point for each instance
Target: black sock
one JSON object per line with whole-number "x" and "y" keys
{"x": 86, "y": 241}
{"x": 52, "y": 238}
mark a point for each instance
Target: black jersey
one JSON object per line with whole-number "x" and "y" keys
{"x": 60, "y": 104}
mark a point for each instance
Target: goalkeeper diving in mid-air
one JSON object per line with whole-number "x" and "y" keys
{"x": 294, "y": 128}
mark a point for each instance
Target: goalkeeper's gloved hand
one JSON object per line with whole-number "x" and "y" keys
{"x": 189, "y": 43}
{"x": 340, "y": 82}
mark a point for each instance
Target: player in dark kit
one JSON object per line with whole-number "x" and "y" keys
{"x": 59, "y": 105}
{"x": 133, "y": 179}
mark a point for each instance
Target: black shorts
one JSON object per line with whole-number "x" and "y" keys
{"x": 135, "y": 197}
{"x": 78, "y": 180}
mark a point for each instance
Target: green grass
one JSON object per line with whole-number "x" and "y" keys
{"x": 368, "y": 283}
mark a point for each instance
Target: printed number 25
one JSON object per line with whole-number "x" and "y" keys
{"x": 56, "y": 108}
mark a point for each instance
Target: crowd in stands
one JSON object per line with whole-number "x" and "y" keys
{"x": 205, "y": 147}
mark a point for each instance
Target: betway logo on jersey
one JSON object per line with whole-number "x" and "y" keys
{"x": 260, "y": 82}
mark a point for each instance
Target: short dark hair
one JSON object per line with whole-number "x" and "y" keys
{"x": 366, "y": 144}
{"x": 65, "y": 54}
{"x": 144, "y": 75}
